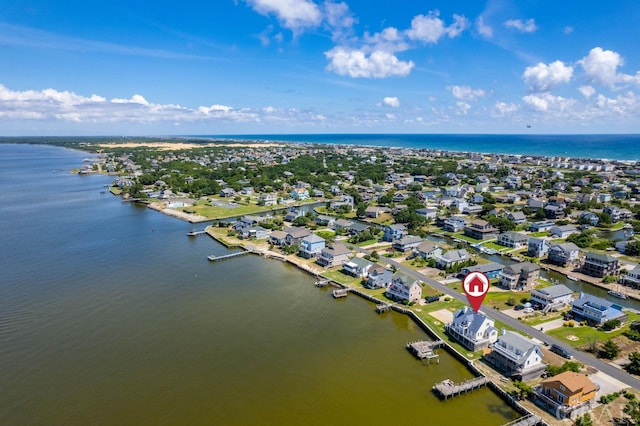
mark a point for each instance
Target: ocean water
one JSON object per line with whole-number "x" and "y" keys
{"x": 111, "y": 315}
{"x": 612, "y": 147}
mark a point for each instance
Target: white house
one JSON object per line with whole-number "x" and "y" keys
{"x": 563, "y": 231}
{"x": 358, "y": 267}
{"x": 474, "y": 330}
{"x": 404, "y": 288}
{"x": 552, "y": 298}
{"x": 516, "y": 356}
{"x": 513, "y": 239}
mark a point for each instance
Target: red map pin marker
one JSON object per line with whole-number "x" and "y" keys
{"x": 476, "y": 286}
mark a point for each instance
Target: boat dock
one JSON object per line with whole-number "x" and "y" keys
{"x": 383, "y": 307}
{"x": 340, "y": 292}
{"x": 529, "y": 420}
{"x": 194, "y": 233}
{"x": 322, "y": 283}
{"x": 226, "y": 256}
{"x": 424, "y": 349}
{"x": 447, "y": 388}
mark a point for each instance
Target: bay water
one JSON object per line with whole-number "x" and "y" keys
{"x": 111, "y": 315}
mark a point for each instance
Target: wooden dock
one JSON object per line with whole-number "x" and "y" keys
{"x": 425, "y": 350}
{"x": 322, "y": 283}
{"x": 195, "y": 233}
{"x": 530, "y": 420}
{"x": 340, "y": 292}
{"x": 447, "y": 388}
{"x": 227, "y": 256}
{"x": 383, "y": 307}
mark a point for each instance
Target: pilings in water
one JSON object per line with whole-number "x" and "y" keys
{"x": 425, "y": 349}
{"x": 340, "y": 292}
{"x": 226, "y": 256}
{"x": 447, "y": 388}
{"x": 383, "y": 307}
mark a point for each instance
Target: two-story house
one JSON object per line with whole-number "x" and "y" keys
{"x": 427, "y": 250}
{"x": 566, "y": 395}
{"x": 516, "y": 356}
{"x": 473, "y": 330}
{"x": 311, "y": 246}
{"x": 595, "y": 310}
{"x": 600, "y": 265}
{"x": 563, "y": 231}
{"x": 378, "y": 277}
{"x": 403, "y": 288}
{"x": 537, "y": 247}
{"x": 394, "y": 232}
{"x": 519, "y": 276}
{"x": 357, "y": 266}
{"x": 552, "y": 298}
{"x": 480, "y": 230}
{"x": 563, "y": 254}
{"x": 454, "y": 224}
{"x": 517, "y": 217}
{"x": 407, "y": 243}
{"x": 513, "y": 239}
{"x": 334, "y": 255}
{"x": 451, "y": 258}
{"x": 295, "y": 235}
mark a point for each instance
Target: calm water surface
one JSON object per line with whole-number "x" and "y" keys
{"x": 110, "y": 315}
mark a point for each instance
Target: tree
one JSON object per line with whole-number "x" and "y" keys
{"x": 584, "y": 420}
{"x": 609, "y": 350}
{"x": 634, "y": 365}
{"x": 632, "y": 409}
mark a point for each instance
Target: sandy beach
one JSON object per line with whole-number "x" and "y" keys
{"x": 170, "y": 146}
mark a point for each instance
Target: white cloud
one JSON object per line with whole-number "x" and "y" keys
{"x": 430, "y": 28}
{"x": 295, "y": 15}
{"x": 463, "y": 108}
{"x": 466, "y": 93}
{"x": 601, "y": 67}
{"x": 542, "y": 77}
{"x": 528, "y": 26}
{"x": 391, "y": 101}
{"x": 389, "y": 39}
{"x": 483, "y": 29}
{"x": 338, "y": 18}
{"x": 546, "y": 102}
{"x": 356, "y": 63}
{"x": 587, "y": 91}
{"x": 504, "y": 108}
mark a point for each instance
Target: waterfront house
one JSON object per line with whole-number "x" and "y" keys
{"x": 473, "y": 330}
{"x": 403, "y": 288}
{"x": 480, "y": 230}
{"x": 427, "y": 212}
{"x": 295, "y": 235}
{"x": 357, "y": 266}
{"x": 632, "y": 278}
{"x": 451, "y": 258}
{"x": 491, "y": 270}
{"x": 311, "y": 245}
{"x": 334, "y": 255}
{"x": 563, "y": 254}
{"x": 519, "y": 276}
{"x": 356, "y": 228}
{"x": 590, "y": 218}
{"x": 227, "y": 192}
{"x": 566, "y": 395}
{"x": 427, "y": 250}
{"x": 613, "y": 212}
{"x": 378, "y": 277}
{"x": 454, "y": 224}
{"x": 407, "y": 243}
{"x": 253, "y": 233}
{"x": 516, "y": 356}
{"x": 542, "y": 226}
{"x": 537, "y": 247}
{"x": 268, "y": 199}
{"x": 293, "y": 214}
{"x": 300, "y": 194}
{"x": 375, "y": 211}
{"x": 552, "y": 298}
{"x": 513, "y": 239}
{"x": 595, "y": 310}
{"x": 324, "y": 220}
{"x": 563, "y": 231}
{"x": 278, "y": 238}
{"x": 341, "y": 224}
{"x": 394, "y": 232}
{"x": 600, "y": 265}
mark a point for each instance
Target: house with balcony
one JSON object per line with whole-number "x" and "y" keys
{"x": 566, "y": 395}
{"x": 451, "y": 258}
{"x": 517, "y": 217}
{"x": 600, "y": 265}
{"x": 595, "y": 310}
{"x": 563, "y": 231}
{"x": 394, "y": 232}
{"x": 542, "y": 226}
{"x": 491, "y": 270}
{"x": 357, "y": 267}
{"x": 519, "y": 276}
{"x": 378, "y": 277}
{"x": 473, "y": 330}
{"x": 278, "y": 238}
{"x": 403, "y": 288}
{"x": 428, "y": 250}
{"x": 537, "y": 247}
{"x": 552, "y": 298}
{"x": 513, "y": 239}
{"x": 300, "y": 194}
{"x": 454, "y": 224}
{"x": 407, "y": 243}
{"x": 481, "y": 230}
{"x": 563, "y": 254}
{"x": 632, "y": 278}
{"x": 295, "y": 235}
{"x": 311, "y": 246}
{"x": 268, "y": 199}
{"x": 516, "y": 356}
{"x": 334, "y": 255}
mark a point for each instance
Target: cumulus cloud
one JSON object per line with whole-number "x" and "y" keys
{"x": 543, "y": 77}
{"x": 546, "y": 102}
{"x": 466, "y": 93}
{"x": 430, "y": 28}
{"x": 462, "y": 108}
{"x": 504, "y": 108}
{"x": 356, "y": 63}
{"x": 528, "y": 26}
{"x": 295, "y": 15}
{"x": 483, "y": 29}
{"x": 339, "y": 19}
{"x": 391, "y": 101}
{"x": 587, "y": 91}
{"x": 601, "y": 67}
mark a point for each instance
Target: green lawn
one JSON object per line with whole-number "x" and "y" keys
{"x": 342, "y": 278}
{"x": 586, "y": 334}
{"x": 465, "y": 238}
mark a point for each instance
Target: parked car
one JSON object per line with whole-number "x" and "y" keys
{"x": 519, "y": 307}
{"x": 560, "y": 351}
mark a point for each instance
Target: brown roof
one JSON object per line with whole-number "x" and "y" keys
{"x": 574, "y": 382}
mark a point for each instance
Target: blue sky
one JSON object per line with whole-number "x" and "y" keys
{"x": 309, "y": 66}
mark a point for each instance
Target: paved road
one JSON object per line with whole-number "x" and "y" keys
{"x": 583, "y": 357}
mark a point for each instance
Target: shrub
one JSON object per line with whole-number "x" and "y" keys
{"x": 611, "y": 324}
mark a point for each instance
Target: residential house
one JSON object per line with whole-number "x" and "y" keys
{"x": 374, "y": 211}
{"x": 480, "y": 230}
{"x": 563, "y": 231}
{"x": 537, "y": 247}
{"x": 519, "y": 276}
{"x": 428, "y": 212}
{"x": 552, "y": 298}
{"x": 300, "y": 194}
{"x": 473, "y": 330}
{"x": 334, "y": 255}
{"x": 491, "y": 270}
{"x": 566, "y": 395}
{"x": 253, "y": 233}
{"x": 293, "y": 214}
{"x": 269, "y": 199}
{"x": 543, "y": 226}
{"x": 407, "y": 243}
{"x": 357, "y": 266}
{"x": 341, "y": 224}
{"x": 472, "y": 209}
{"x": 632, "y": 278}
{"x": 325, "y": 220}
{"x": 513, "y": 239}
{"x": 590, "y": 218}
{"x": 311, "y": 245}
{"x": 553, "y": 212}
{"x": 227, "y": 192}
{"x": 378, "y": 277}
{"x": 427, "y": 250}
{"x": 517, "y": 217}
{"x": 535, "y": 204}
{"x": 600, "y": 265}
{"x": 516, "y": 356}
{"x": 394, "y": 232}
{"x": 278, "y": 238}
{"x": 454, "y": 224}
{"x": 595, "y": 310}
{"x": 356, "y": 228}
{"x": 563, "y": 254}
{"x": 295, "y": 235}
{"x": 451, "y": 258}
{"x": 613, "y": 212}
{"x": 403, "y": 288}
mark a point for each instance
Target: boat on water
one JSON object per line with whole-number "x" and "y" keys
{"x": 572, "y": 278}
{"x": 211, "y": 257}
{"x": 488, "y": 250}
{"x": 617, "y": 294}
